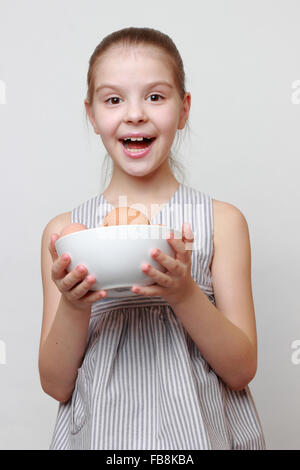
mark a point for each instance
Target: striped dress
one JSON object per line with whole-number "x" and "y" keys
{"x": 143, "y": 383}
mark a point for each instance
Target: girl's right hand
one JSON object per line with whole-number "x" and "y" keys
{"x": 75, "y": 285}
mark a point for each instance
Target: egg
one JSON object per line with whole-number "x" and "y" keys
{"x": 125, "y": 216}
{"x": 71, "y": 228}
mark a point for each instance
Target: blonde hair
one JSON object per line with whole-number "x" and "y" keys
{"x": 133, "y": 37}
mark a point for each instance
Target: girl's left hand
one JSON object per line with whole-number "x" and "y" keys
{"x": 175, "y": 284}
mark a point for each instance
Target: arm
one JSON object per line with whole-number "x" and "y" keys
{"x": 61, "y": 352}
{"x": 64, "y": 327}
{"x": 226, "y": 334}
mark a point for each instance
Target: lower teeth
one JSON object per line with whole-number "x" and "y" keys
{"x": 136, "y": 150}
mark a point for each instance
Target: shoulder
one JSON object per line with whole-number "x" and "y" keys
{"x": 61, "y": 219}
{"x": 226, "y": 209}
{"x": 56, "y": 224}
{"x": 227, "y": 219}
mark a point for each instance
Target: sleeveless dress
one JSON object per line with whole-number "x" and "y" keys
{"x": 143, "y": 383}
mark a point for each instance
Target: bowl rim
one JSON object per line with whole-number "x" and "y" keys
{"x": 120, "y": 228}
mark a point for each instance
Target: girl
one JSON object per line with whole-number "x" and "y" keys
{"x": 168, "y": 365}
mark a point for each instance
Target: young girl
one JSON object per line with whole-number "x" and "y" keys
{"x": 168, "y": 365}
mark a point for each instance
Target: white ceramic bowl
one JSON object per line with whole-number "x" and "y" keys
{"x": 115, "y": 254}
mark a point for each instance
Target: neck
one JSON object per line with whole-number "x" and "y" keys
{"x": 159, "y": 185}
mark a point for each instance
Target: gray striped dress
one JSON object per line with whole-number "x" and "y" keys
{"x": 143, "y": 383}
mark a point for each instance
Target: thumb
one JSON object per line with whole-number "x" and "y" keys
{"x": 187, "y": 232}
{"x": 188, "y": 236}
{"x": 52, "y": 248}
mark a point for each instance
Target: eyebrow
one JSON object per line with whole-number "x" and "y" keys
{"x": 149, "y": 85}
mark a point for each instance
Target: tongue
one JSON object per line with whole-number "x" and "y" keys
{"x": 138, "y": 144}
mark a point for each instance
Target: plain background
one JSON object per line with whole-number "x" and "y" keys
{"x": 242, "y": 65}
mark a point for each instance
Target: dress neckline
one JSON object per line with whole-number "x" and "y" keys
{"x": 167, "y": 204}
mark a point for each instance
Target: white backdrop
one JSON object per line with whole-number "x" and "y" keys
{"x": 242, "y": 65}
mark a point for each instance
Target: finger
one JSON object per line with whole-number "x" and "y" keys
{"x": 187, "y": 236}
{"x": 179, "y": 248}
{"x": 94, "y": 296}
{"x": 171, "y": 264}
{"x": 82, "y": 290}
{"x": 59, "y": 267}
{"x": 154, "y": 290}
{"x": 76, "y": 276}
{"x": 160, "y": 278}
{"x": 78, "y": 285}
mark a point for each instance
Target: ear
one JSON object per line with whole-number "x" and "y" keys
{"x": 91, "y": 116}
{"x": 185, "y": 110}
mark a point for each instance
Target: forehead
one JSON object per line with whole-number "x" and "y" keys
{"x": 132, "y": 62}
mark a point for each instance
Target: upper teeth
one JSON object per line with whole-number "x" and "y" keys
{"x": 134, "y": 138}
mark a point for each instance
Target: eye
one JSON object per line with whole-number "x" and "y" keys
{"x": 112, "y": 98}
{"x": 155, "y": 94}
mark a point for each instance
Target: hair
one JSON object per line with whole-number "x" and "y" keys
{"x": 146, "y": 37}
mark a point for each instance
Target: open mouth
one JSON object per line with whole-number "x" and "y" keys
{"x": 137, "y": 144}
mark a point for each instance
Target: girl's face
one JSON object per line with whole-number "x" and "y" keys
{"x": 130, "y": 98}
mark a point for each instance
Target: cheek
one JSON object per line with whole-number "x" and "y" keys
{"x": 107, "y": 124}
{"x": 168, "y": 121}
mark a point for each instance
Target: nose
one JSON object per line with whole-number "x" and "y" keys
{"x": 135, "y": 112}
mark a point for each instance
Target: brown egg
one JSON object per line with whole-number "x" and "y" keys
{"x": 125, "y": 216}
{"x": 71, "y": 228}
